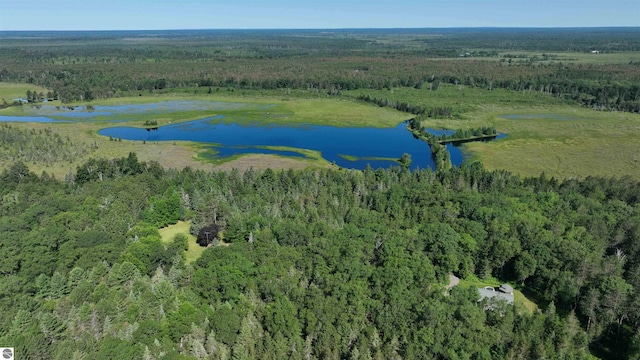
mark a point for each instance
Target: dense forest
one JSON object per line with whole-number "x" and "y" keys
{"x": 98, "y": 65}
{"x": 314, "y": 264}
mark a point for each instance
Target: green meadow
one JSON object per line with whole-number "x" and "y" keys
{"x": 266, "y": 109}
{"x": 553, "y": 136}
{"x": 572, "y": 57}
{"x": 556, "y": 137}
{"x": 10, "y": 91}
{"x": 565, "y": 142}
{"x": 182, "y": 227}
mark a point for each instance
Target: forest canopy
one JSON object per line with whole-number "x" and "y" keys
{"x": 317, "y": 264}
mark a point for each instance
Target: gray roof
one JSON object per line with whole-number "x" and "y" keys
{"x": 495, "y": 295}
{"x": 506, "y": 288}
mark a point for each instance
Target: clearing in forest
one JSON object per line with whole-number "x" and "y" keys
{"x": 182, "y": 227}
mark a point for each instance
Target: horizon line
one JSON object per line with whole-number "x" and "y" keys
{"x": 336, "y": 28}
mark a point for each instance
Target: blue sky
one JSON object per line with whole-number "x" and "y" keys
{"x": 304, "y": 14}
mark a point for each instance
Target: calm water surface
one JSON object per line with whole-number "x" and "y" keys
{"x": 336, "y": 144}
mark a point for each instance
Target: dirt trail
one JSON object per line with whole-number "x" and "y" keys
{"x": 453, "y": 281}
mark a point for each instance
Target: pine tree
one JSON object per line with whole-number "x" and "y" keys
{"x": 197, "y": 349}
{"x": 21, "y": 322}
{"x": 215, "y": 349}
{"x": 147, "y": 354}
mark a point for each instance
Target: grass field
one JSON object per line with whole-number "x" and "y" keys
{"x": 169, "y": 155}
{"x": 182, "y": 227}
{"x": 10, "y": 91}
{"x": 556, "y": 57}
{"x": 259, "y": 108}
{"x": 313, "y": 159}
{"x": 582, "y": 143}
{"x": 519, "y": 298}
{"x": 332, "y": 112}
{"x": 265, "y": 161}
{"x": 559, "y": 139}
{"x": 575, "y": 57}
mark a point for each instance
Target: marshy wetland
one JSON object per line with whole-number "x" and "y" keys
{"x": 243, "y": 131}
{"x": 561, "y": 107}
{"x": 232, "y": 131}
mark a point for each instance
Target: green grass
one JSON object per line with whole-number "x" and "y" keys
{"x": 169, "y": 154}
{"x": 261, "y": 108}
{"x": 182, "y": 227}
{"x": 519, "y": 298}
{"x": 576, "y": 57}
{"x": 341, "y": 113}
{"x": 373, "y": 158}
{"x": 314, "y": 155}
{"x": 555, "y": 57}
{"x": 312, "y": 159}
{"x": 349, "y": 157}
{"x": 463, "y": 100}
{"x": 10, "y": 91}
{"x": 594, "y": 143}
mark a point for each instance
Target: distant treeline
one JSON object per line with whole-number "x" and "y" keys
{"x": 589, "y": 90}
{"x": 435, "y": 112}
{"x": 92, "y": 67}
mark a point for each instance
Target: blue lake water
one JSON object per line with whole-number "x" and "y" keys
{"x": 104, "y": 112}
{"x": 366, "y": 144}
{"x": 227, "y": 138}
{"x": 39, "y": 119}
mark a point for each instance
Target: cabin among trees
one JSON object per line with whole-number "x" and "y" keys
{"x": 504, "y": 292}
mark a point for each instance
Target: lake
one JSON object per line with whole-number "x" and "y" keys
{"x": 39, "y": 119}
{"x": 352, "y": 148}
{"x": 128, "y": 112}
